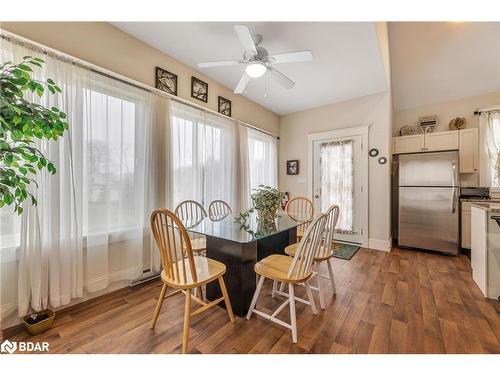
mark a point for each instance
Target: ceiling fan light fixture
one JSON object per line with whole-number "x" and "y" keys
{"x": 256, "y": 69}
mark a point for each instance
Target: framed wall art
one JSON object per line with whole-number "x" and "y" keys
{"x": 292, "y": 167}
{"x": 166, "y": 81}
{"x": 199, "y": 89}
{"x": 224, "y": 106}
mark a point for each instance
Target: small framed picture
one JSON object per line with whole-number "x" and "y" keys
{"x": 224, "y": 106}
{"x": 292, "y": 167}
{"x": 199, "y": 89}
{"x": 166, "y": 81}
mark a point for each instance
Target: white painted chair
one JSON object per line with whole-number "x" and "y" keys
{"x": 324, "y": 255}
{"x": 292, "y": 271}
{"x": 219, "y": 210}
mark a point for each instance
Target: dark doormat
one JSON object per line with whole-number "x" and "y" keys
{"x": 344, "y": 251}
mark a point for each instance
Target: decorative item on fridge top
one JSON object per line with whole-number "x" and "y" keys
{"x": 457, "y": 123}
{"x": 405, "y": 130}
{"x": 427, "y": 123}
{"x": 199, "y": 89}
{"x": 166, "y": 81}
{"x": 292, "y": 167}
{"x": 224, "y": 106}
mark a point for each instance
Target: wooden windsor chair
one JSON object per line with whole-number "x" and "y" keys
{"x": 192, "y": 213}
{"x": 300, "y": 209}
{"x": 219, "y": 210}
{"x": 183, "y": 271}
{"x": 324, "y": 254}
{"x": 292, "y": 271}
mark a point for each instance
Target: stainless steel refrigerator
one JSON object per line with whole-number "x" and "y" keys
{"x": 428, "y": 213}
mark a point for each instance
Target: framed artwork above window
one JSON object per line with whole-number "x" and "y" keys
{"x": 199, "y": 89}
{"x": 166, "y": 81}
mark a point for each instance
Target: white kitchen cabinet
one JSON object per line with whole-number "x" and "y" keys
{"x": 441, "y": 141}
{"x": 469, "y": 150}
{"x": 408, "y": 144}
{"x": 466, "y": 218}
{"x": 478, "y": 254}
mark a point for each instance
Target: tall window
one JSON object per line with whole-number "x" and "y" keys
{"x": 495, "y": 151}
{"x": 489, "y": 131}
{"x": 108, "y": 168}
{"x": 263, "y": 159}
{"x": 203, "y": 156}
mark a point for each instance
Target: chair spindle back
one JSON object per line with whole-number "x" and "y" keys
{"x": 218, "y": 210}
{"x": 332, "y": 216}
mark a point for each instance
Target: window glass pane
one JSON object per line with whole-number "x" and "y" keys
{"x": 109, "y": 198}
{"x": 262, "y": 153}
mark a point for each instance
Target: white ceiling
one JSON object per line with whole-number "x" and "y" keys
{"x": 433, "y": 62}
{"x": 347, "y": 62}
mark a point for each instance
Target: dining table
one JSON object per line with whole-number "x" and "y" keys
{"x": 240, "y": 246}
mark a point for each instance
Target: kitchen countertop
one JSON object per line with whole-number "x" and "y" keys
{"x": 480, "y": 200}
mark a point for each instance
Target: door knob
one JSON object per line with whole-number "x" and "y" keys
{"x": 316, "y": 195}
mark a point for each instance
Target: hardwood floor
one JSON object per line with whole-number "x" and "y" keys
{"x": 398, "y": 302}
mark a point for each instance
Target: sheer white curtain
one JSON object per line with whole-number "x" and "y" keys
{"x": 203, "y": 156}
{"x": 91, "y": 225}
{"x": 337, "y": 180}
{"x": 263, "y": 159}
{"x": 489, "y": 131}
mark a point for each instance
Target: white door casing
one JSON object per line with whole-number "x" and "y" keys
{"x": 360, "y": 134}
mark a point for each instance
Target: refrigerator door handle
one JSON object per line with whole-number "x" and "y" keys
{"x": 453, "y": 201}
{"x": 454, "y": 166}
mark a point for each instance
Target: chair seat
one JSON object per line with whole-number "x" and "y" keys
{"x": 292, "y": 249}
{"x": 276, "y": 267}
{"x": 206, "y": 270}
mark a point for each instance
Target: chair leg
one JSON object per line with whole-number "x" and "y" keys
{"x": 332, "y": 280}
{"x": 226, "y": 299}
{"x": 200, "y": 292}
{"x": 293, "y": 319}
{"x": 320, "y": 291}
{"x": 255, "y": 297}
{"x": 187, "y": 318}
{"x": 275, "y": 284}
{"x": 311, "y": 298}
{"x": 158, "y": 305}
{"x": 282, "y": 287}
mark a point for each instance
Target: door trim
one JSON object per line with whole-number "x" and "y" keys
{"x": 345, "y": 132}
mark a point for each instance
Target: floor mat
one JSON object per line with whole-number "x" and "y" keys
{"x": 344, "y": 251}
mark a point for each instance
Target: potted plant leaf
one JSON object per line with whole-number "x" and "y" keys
{"x": 22, "y": 123}
{"x": 266, "y": 201}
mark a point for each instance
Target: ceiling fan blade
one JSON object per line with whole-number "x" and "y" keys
{"x": 282, "y": 79}
{"x": 245, "y": 38}
{"x": 210, "y": 64}
{"x": 242, "y": 84}
{"x": 291, "y": 57}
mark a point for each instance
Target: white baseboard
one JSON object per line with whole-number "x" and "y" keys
{"x": 383, "y": 245}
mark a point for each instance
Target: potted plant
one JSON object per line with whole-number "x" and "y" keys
{"x": 266, "y": 201}
{"x": 22, "y": 123}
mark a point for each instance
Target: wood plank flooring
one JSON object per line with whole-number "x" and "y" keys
{"x": 398, "y": 302}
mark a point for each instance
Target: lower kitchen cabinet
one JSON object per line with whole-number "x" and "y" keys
{"x": 466, "y": 227}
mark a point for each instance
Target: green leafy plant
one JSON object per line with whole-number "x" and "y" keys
{"x": 266, "y": 201}
{"x": 21, "y": 123}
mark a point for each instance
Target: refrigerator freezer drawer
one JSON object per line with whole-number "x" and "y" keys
{"x": 428, "y": 218}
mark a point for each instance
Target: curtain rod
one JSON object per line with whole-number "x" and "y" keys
{"x": 495, "y": 108}
{"x": 7, "y": 35}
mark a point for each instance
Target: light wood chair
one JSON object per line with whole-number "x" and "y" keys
{"x": 324, "y": 255}
{"x": 219, "y": 210}
{"x": 192, "y": 213}
{"x": 300, "y": 209}
{"x": 292, "y": 271}
{"x": 183, "y": 271}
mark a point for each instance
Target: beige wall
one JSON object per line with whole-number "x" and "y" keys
{"x": 446, "y": 111}
{"x": 104, "y": 45}
{"x": 374, "y": 110}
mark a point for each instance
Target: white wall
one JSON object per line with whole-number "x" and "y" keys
{"x": 374, "y": 110}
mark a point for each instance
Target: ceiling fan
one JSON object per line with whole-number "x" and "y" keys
{"x": 257, "y": 60}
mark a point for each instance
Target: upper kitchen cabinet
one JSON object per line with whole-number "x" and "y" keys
{"x": 441, "y": 141}
{"x": 469, "y": 151}
{"x": 408, "y": 144}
